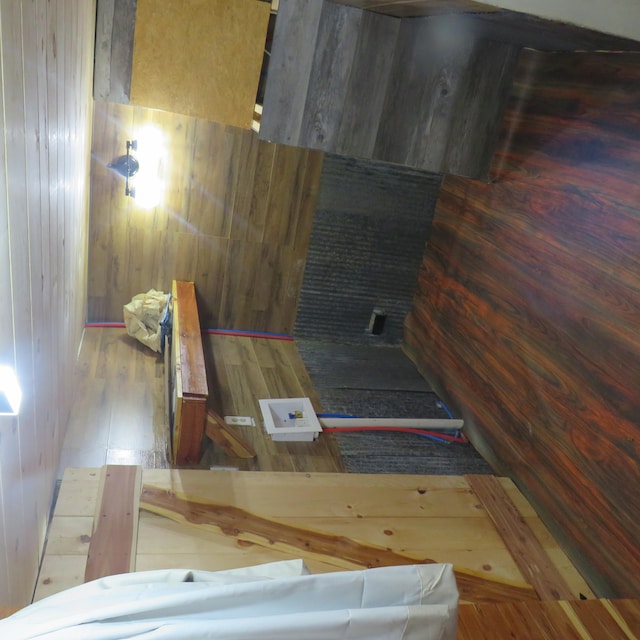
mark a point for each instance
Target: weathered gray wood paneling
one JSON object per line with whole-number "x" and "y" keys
{"x": 116, "y": 20}
{"x": 333, "y": 59}
{"x": 290, "y": 69}
{"x": 374, "y": 86}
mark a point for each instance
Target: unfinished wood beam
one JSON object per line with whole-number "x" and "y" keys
{"x": 221, "y": 434}
{"x": 526, "y": 550}
{"x": 112, "y": 549}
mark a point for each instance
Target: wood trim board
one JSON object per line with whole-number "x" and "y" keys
{"x": 112, "y": 549}
{"x": 518, "y": 537}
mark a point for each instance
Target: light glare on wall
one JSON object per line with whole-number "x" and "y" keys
{"x": 10, "y": 392}
{"x": 144, "y": 171}
{"x": 152, "y": 156}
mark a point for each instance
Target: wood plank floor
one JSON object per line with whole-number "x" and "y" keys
{"x": 333, "y": 521}
{"x": 118, "y": 414}
{"x": 243, "y": 370}
{"x": 119, "y": 417}
{"x": 580, "y": 620}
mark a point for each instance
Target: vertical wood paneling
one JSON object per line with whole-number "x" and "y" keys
{"x": 527, "y": 305}
{"x": 236, "y": 221}
{"x": 46, "y": 51}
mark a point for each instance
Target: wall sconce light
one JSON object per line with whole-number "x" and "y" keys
{"x": 10, "y": 392}
{"x": 127, "y": 166}
{"x": 149, "y": 166}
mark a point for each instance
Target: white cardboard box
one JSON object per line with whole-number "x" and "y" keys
{"x": 290, "y": 419}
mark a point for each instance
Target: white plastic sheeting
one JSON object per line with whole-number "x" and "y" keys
{"x": 269, "y": 602}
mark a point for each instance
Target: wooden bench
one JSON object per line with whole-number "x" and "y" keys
{"x": 187, "y": 377}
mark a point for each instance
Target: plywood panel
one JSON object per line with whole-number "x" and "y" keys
{"x": 47, "y": 53}
{"x": 235, "y": 219}
{"x": 525, "y": 315}
{"x": 202, "y": 59}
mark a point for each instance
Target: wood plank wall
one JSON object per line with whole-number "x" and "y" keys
{"x": 115, "y": 26}
{"x": 526, "y": 312}
{"x": 372, "y": 86}
{"x": 236, "y": 220}
{"x": 47, "y": 60}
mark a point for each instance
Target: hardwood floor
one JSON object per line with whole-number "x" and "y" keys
{"x": 241, "y": 371}
{"x": 119, "y": 417}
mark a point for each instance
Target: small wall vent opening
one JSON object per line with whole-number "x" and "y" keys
{"x": 377, "y": 322}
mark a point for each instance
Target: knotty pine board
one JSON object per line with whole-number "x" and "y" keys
{"x": 612, "y": 619}
{"x": 433, "y": 517}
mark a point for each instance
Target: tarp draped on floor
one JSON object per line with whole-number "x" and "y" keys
{"x": 269, "y": 602}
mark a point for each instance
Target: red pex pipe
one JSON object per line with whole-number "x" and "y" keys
{"x": 441, "y": 436}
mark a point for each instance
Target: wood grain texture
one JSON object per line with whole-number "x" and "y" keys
{"x": 500, "y": 25}
{"x": 119, "y": 412}
{"x": 201, "y": 59}
{"x": 47, "y": 57}
{"x": 376, "y": 87}
{"x": 525, "y": 314}
{"x": 224, "y": 436}
{"x": 235, "y": 220}
{"x": 243, "y": 370}
{"x": 532, "y": 620}
{"x": 112, "y": 549}
{"x": 188, "y": 375}
{"x": 418, "y": 516}
{"x": 525, "y": 548}
{"x": 192, "y": 369}
{"x": 249, "y": 528}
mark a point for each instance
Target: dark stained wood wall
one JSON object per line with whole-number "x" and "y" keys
{"x": 236, "y": 219}
{"x": 526, "y": 314}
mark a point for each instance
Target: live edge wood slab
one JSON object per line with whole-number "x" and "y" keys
{"x": 214, "y": 520}
{"x": 188, "y": 377}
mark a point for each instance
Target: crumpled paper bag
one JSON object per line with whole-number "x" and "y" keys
{"x": 144, "y": 315}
